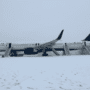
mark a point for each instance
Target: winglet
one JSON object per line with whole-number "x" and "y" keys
{"x": 60, "y": 35}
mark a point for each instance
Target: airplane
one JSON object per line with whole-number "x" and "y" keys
{"x": 40, "y": 48}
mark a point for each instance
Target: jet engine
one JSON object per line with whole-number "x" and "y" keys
{"x": 29, "y": 51}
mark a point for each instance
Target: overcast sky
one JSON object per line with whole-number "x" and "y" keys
{"x": 42, "y": 20}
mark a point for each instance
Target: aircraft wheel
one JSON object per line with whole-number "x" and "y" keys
{"x": 45, "y": 54}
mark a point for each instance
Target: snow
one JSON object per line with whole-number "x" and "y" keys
{"x": 45, "y": 73}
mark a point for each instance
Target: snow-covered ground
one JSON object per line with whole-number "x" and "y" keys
{"x": 45, "y": 73}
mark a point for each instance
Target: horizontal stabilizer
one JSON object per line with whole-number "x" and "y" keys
{"x": 60, "y": 35}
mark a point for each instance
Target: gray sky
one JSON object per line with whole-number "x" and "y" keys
{"x": 42, "y": 20}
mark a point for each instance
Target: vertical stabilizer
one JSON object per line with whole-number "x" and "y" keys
{"x": 87, "y": 38}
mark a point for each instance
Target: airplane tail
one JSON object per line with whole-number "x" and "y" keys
{"x": 87, "y": 38}
{"x": 60, "y": 35}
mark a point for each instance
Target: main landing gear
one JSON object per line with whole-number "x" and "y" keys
{"x": 44, "y": 53}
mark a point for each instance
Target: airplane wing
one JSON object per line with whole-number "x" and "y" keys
{"x": 49, "y": 44}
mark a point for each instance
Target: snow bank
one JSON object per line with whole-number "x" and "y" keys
{"x": 45, "y": 73}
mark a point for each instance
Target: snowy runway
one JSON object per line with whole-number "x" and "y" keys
{"x": 45, "y": 73}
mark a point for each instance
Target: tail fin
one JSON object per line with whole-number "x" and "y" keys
{"x": 87, "y": 38}
{"x": 60, "y": 35}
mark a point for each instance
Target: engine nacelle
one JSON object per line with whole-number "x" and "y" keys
{"x": 29, "y": 51}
